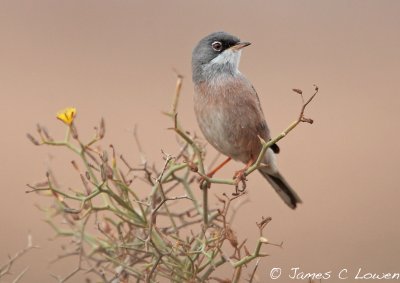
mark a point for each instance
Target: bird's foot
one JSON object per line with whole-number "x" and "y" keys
{"x": 240, "y": 178}
{"x": 240, "y": 175}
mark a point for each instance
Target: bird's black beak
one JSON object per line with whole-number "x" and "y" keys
{"x": 240, "y": 45}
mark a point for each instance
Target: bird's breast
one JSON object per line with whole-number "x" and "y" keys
{"x": 229, "y": 117}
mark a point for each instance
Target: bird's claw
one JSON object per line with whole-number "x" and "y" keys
{"x": 240, "y": 177}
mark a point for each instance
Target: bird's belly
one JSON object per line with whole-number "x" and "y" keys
{"x": 229, "y": 134}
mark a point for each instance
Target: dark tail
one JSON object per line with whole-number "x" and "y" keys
{"x": 284, "y": 190}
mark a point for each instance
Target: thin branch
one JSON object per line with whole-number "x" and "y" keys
{"x": 5, "y": 268}
{"x": 254, "y": 255}
{"x": 253, "y": 273}
{"x": 20, "y": 275}
{"x": 266, "y": 145}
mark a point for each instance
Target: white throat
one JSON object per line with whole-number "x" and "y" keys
{"x": 230, "y": 57}
{"x": 225, "y": 64}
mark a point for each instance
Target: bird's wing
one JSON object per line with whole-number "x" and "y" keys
{"x": 263, "y": 127}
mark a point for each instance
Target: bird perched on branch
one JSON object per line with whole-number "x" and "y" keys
{"x": 228, "y": 109}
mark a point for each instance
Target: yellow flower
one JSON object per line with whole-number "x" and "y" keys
{"x": 67, "y": 115}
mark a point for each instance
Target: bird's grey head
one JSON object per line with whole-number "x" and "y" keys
{"x": 217, "y": 54}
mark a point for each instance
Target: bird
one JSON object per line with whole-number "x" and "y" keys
{"x": 228, "y": 109}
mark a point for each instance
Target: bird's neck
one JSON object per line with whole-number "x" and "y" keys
{"x": 223, "y": 67}
{"x": 216, "y": 74}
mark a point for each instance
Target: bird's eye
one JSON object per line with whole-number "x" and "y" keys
{"x": 217, "y": 46}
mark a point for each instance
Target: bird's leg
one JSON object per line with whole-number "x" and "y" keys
{"x": 212, "y": 172}
{"x": 216, "y": 169}
{"x": 240, "y": 175}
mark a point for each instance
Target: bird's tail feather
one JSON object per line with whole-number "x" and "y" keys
{"x": 281, "y": 186}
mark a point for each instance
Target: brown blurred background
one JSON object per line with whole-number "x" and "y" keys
{"x": 114, "y": 59}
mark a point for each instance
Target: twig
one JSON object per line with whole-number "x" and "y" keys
{"x": 139, "y": 146}
{"x": 20, "y": 275}
{"x": 200, "y": 165}
{"x": 254, "y": 255}
{"x": 266, "y": 145}
{"x": 148, "y": 276}
{"x": 177, "y": 93}
{"x": 5, "y": 268}
{"x": 253, "y": 273}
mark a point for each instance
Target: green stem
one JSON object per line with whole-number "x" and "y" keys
{"x": 205, "y": 205}
{"x": 266, "y": 145}
{"x": 200, "y": 165}
{"x": 256, "y": 253}
{"x": 189, "y": 192}
{"x": 212, "y": 267}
